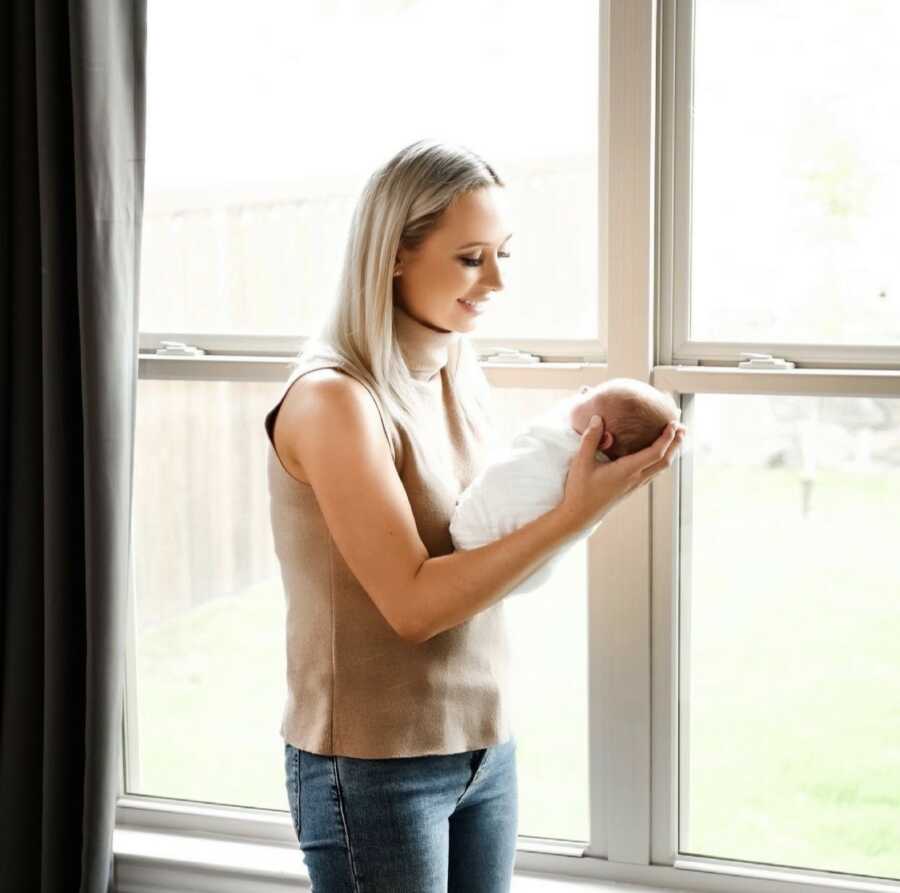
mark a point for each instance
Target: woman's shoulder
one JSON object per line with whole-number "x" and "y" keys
{"x": 318, "y": 386}
{"x": 290, "y": 420}
{"x": 311, "y": 381}
{"x": 319, "y": 365}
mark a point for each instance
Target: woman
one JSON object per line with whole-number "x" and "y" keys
{"x": 399, "y": 754}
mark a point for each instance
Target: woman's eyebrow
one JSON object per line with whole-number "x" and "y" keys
{"x": 473, "y": 244}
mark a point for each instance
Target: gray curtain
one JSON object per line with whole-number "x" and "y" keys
{"x": 72, "y": 169}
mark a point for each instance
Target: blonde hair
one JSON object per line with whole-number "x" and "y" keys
{"x": 401, "y": 204}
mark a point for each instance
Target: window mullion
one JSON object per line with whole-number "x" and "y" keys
{"x": 619, "y": 560}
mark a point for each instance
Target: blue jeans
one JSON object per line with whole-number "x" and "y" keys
{"x": 441, "y": 823}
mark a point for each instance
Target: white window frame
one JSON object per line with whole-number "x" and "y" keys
{"x": 633, "y": 696}
{"x": 676, "y": 107}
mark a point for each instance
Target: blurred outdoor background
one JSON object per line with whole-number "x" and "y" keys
{"x": 259, "y": 139}
{"x": 796, "y": 172}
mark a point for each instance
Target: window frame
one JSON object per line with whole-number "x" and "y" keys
{"x": 676, "y": 108}
{"x": 633, "y": 696}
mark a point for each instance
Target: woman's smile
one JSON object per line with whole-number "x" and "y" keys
{"x": 474, "y": 307}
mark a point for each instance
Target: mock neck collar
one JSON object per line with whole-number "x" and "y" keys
{"x": 426, "y": 350}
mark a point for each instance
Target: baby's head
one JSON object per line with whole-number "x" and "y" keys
{"x": 634, "y": 414}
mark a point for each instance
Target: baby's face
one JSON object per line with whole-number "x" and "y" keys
{"x": 633, "y": 414}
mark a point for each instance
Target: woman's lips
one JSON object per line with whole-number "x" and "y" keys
{"x": 476, "y": 310}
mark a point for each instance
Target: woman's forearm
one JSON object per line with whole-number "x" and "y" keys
{"x": 449, "y": 589}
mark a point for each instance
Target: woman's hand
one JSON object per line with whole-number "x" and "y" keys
{"x": 593, "y": 488}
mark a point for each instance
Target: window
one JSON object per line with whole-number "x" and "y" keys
{"x": 260, "y": 138}
{"x": 248, "y": 203}
{"x": 796, "y": 173}
{"x": 692, "y": 182}
{"x": 791, "y": 660}
{"x": 775, "y": 222}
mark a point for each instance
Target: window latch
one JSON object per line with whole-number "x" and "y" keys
{"x": 764, "y": 361}
{"x": 178, "y": 349}
{"x": 511, "y": 355}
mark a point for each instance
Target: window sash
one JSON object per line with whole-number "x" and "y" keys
{"x": 676, "y": 55}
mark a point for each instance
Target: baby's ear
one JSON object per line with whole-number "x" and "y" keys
{"x": 606, "y": 441}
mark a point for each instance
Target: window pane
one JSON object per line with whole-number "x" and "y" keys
{"x": 261, "y": 135}
{"x": 793, "y": 618}
{"x": 210, "y": 616}
{"x": 548, "y": 638}
{"x": 796, "y": 172}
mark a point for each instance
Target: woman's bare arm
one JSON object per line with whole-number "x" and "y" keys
{"x": 333, "y": 431}
{"x": 449, "y": 589}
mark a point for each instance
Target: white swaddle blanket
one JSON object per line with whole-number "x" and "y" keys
{"x": 520, "y": 483}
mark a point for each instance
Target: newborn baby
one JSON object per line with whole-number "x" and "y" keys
{"x": 528, "y": 479}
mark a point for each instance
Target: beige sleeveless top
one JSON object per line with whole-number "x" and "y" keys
{"x": 355, "y": 688}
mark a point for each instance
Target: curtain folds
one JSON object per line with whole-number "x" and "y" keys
{"x": 73, "y": 89}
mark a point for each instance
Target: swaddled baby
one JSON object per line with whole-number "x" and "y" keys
{"x": 528, "y": 478}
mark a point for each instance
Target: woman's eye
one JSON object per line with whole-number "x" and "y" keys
{"x": 476, "y": 261}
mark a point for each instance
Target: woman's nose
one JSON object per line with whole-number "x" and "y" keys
{"x": 494, "y": 281}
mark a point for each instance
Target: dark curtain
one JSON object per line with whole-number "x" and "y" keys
{"x": 72, "y": 173}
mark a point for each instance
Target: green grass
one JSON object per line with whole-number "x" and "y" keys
{"x": 210, "y": 695}
{"x": 794, "y": 734}
{"x": 793, "y": 727}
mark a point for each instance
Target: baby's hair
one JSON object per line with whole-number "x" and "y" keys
{"x": 636, "y": 414}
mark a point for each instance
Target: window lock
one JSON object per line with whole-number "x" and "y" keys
{"x": 764, "y": 361}
{"x": 510, "y": 355}
{"x": 178, "y": 349}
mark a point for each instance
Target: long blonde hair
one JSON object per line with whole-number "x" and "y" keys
{"x": 401, "y": 204}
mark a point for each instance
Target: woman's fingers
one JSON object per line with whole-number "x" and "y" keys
{"x": 652, "y": 455}
{"x": 667, "y": 459}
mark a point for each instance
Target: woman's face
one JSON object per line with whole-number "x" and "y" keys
{"x": 446, "y": 267}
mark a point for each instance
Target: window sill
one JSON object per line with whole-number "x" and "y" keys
{"x": 155, "y": 862}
